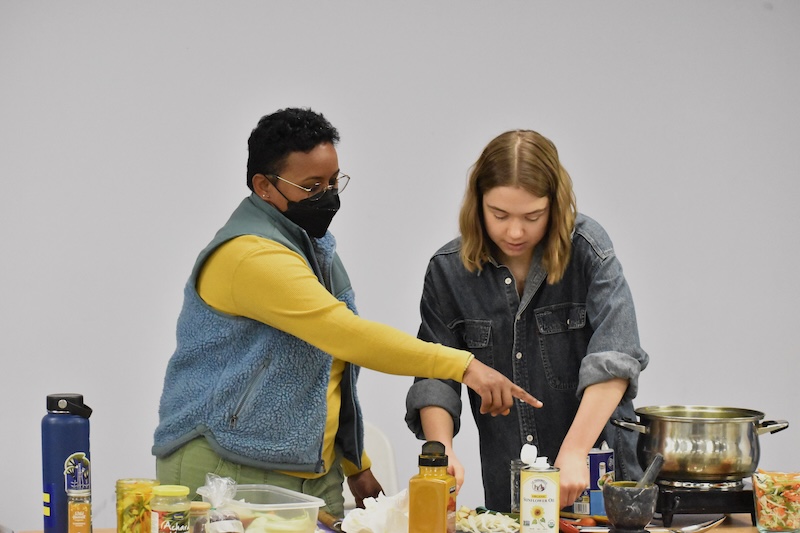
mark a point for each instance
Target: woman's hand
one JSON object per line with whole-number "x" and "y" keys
{"x": 454, "y": 468}
{"x": 497, "y": 392}
{"x": 573, "y": 476}
{"x": 363, "y": 485}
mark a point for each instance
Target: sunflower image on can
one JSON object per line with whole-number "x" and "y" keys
{"x": 539, "y": 497}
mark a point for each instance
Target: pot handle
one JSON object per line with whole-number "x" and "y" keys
{"x": 771, "y": 426}
{"x": 631, "y": 426}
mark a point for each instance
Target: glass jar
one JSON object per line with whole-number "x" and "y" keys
{"x": 169, "y": 509}
{"x": 133, "y": 504}
{"x": 79, "y": 511}
{"x": 198, "y": 516}
{"x": 515, "y": 467}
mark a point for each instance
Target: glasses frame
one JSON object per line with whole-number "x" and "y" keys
{"x": 314, "y": 196}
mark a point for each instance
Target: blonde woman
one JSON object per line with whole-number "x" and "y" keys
{"x": 534, "y": 290}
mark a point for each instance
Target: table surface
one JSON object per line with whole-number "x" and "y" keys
{"x": 736, "y": 523}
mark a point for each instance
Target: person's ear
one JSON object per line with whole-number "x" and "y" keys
{"x": 261, "y": 186}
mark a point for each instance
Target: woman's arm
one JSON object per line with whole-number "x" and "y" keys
{"x": 437, "y": 424}
{"x": 597, "y": 405}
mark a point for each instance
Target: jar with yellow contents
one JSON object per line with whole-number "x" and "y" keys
{"x": 133, "y": 504}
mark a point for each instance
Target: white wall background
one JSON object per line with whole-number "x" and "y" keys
{"x": 123, "y": 129}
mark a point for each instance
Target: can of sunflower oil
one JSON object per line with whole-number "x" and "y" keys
{"x": 539, "y": 498}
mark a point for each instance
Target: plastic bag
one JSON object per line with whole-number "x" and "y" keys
{"x": 219, "y": 491}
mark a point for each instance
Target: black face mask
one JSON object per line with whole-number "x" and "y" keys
{"x": 313, "y": 216}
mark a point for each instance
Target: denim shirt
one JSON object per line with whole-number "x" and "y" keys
{"x": 554, "y": 342}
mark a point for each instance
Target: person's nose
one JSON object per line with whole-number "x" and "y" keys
{"x": 515, "y": 229}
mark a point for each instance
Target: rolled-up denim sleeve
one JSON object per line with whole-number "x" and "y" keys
{"x": 614, "y": 350}
{"x": 433, "y": 328}
{"x": 432, "y": 392}
{"x": 605, "y": 366}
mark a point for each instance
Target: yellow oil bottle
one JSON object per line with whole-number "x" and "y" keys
{"x": 432, "y": 493}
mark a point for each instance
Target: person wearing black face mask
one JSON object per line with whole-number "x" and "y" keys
{"x": 315, "y": 212}
{"x": 262, "y": 385}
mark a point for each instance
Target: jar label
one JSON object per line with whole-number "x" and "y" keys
{"x": 539, "y": 495}
{"x": 169, "y": 521}
{"x": 79, "y": 517}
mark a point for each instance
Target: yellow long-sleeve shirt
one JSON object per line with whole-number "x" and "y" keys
{"x": 263, "y": 280}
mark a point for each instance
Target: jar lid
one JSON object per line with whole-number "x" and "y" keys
{"x": 200, "y": 507}
{"x": 170, "y": 490}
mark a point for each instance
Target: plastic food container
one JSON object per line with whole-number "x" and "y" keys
{"x": 270, "y": 509}
{"x": 777, "y": 501}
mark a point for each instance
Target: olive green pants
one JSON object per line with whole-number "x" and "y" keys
{"x": 189, "y": 464}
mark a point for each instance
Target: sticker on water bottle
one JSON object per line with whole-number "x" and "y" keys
{"x": 77, "y": 472}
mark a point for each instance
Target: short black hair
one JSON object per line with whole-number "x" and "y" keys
{"x": 281, "y": 133}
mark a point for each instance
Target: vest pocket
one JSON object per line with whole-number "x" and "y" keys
{"x": 247, "y": 396}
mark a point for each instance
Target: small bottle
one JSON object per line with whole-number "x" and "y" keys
{"x": 432, "y": 493}
{"x": 169, "y": 509}
{"x": 79, "y": 511}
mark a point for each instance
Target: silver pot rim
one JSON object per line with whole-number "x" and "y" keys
{"x": 699, "y": 413}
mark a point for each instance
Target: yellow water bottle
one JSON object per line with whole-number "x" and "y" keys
{"x": 432, "y": 493}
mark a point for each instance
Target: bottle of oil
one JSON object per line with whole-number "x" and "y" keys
{"x": 432, "y": 493}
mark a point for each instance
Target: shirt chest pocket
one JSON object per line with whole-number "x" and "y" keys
{"x": 560, "y": 318}
{"x": 477, "y": 336}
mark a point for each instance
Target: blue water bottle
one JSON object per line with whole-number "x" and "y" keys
{"x": 65, "y": 456}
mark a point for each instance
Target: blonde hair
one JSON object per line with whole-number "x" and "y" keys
{"x": 525, "y": 159}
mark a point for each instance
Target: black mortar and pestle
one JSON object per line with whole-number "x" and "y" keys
{"x": 630, "y": 504}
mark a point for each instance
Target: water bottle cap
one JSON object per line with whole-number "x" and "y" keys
{"x": 69, "y": 403}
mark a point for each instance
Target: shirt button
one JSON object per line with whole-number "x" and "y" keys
{"x": 519, "y": 355}
{"x": 508, "y": 281}
{"x": 529, "y": 438}
{"x": 568, "y": 321}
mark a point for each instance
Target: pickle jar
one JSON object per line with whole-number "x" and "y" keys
{"x": 133, "y": 504}
{"x": 169, "y": 509}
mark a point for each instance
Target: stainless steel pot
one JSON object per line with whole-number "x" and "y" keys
{"x": 701, "y": 443}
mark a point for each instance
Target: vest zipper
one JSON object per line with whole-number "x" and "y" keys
{"x": 248, "y": 391}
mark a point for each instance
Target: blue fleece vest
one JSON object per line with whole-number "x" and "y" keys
{"x": 258, "y": 394}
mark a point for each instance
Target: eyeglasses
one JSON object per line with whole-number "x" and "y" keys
{"x": 336, "y": 185}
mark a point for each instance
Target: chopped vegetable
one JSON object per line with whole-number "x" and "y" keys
{"x": 777, "y": 498}
{"x": 470, "y": 521}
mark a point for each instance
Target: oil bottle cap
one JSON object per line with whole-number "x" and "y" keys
{"x": 528, "y": 453}
{"x": 69, "y": 403}
{"x": 540, "y": 464}
{"x": 433, "y": 454}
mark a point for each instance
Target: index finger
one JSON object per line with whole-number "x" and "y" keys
{"x": 526, "y": 397}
